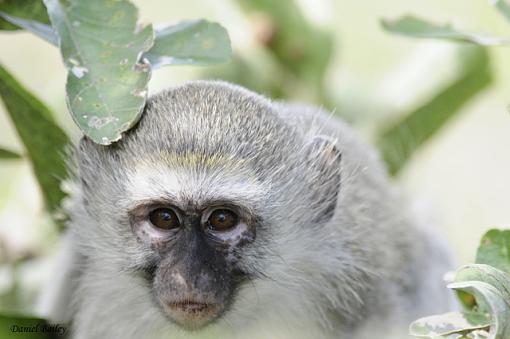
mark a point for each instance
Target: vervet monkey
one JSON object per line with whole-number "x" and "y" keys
{"x": 225, "y": 215}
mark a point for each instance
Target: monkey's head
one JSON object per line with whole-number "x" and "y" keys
{"x": 207, "y": 202}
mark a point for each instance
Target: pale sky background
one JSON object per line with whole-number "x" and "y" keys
{"x": 461, "y": 178}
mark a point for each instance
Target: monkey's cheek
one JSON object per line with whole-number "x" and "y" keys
{"x": 192, "y": 315}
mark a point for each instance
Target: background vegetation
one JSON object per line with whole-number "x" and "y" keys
{"x": 333, "y": 53}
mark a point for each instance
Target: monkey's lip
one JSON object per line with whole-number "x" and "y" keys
{"x": 192, "y": 314}
{"x": 190, "y": 306}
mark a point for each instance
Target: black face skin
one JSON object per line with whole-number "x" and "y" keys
{"x": 197, "y": 248}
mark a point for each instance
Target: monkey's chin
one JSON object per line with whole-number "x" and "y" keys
{"x": 192, "y": 315}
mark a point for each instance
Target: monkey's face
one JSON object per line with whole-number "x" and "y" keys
{"x": 196, "y": 247}
{"x": 203, "y": 197}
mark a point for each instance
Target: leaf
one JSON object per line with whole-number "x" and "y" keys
{"x": 194, "y": 42}
{"x": 32, "y": 10}
{"x": 490, "y": 288}
{"x": 503, "y": 7}
{"x": 488, "y": 274}
{"x": 400, "y": 141}
{"x": 449, "y": 323}
{"x": 418, "y": 28}
{"x": 44, "y": 141}
{"x": 6, "y": 154}
{"x": 494, "y": 250}
{"x": 101, "y": 42}
{"x": 189, "y": 42}
{"x": 44, "y": 31}
{"x": 490, "y": 300}
{"x": 24, "y": 327}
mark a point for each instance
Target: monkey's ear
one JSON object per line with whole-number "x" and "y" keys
{"x": 323, "y": 160}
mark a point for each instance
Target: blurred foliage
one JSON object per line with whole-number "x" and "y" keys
{"x": 44, "y": 141}
{"x": 300, "y": 48}
{"x": 24, "y": 9}
{"x": 483, "y": 288}
{"x": 6, "y": 154}
{"x": 503, "y": 7}
{"x": 412, "y": 26}
{"x": 399, "y": 142}
{"x": 417, "y": 28}
{"x": 295, "y": 54}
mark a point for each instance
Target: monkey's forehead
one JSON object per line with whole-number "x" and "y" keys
{"x": 212, "y": 113}
{"x": 209, "y": 124}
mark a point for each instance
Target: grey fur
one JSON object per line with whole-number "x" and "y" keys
{"x": 368, "y": 266}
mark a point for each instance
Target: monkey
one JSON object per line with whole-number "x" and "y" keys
{"x": 224, "y": 214}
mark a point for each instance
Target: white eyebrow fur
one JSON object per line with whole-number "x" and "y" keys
{"x": 159, "y": 182}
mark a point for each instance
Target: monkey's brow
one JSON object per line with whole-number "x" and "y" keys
{"x": 178, "y": 188}
{"x": 142, "y": 207}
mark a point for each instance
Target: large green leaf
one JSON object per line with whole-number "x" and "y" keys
{"x": 24, "y": 327}
{"x": 6, "y": 154}
{"x": 400, "y": 141}
{"x": 32, "y": 10}
{"x": 44, "y": 141}
{"x": 190, "y": 42}
{"x": 418, "y": 28}
{"x": 494, "y": 250}
{"x": 101, "y": 42}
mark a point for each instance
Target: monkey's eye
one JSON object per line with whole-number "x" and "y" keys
{"x": 164, "y": 218}
{"x": 222, "y": 220}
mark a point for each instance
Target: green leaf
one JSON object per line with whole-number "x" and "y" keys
{"x": 503, "y": 7}
{"x": 418, "y": 28}
{"x": 494, "y": 250}
{"x": 44, "y": 141}
{"x": 100, "y": 42}
{"x": 32, "y": 10}
{"x": 24, "y": 327}
{"x": 488, "y": 274}
{"x": 490, "y": 300}
{"x": 449, "y": 323}
{"x": 189, "y": 42}
{"x": 44, "y": 31}
{"x": 400, "y": 141}
{"x": 194, "y": 42}
{"x": 6, "y": 154}
{"x": 490, "y": 312}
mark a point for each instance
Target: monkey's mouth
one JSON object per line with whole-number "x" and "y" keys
{"x": 190, "y": 306}
{"x": 192, "y": 314}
